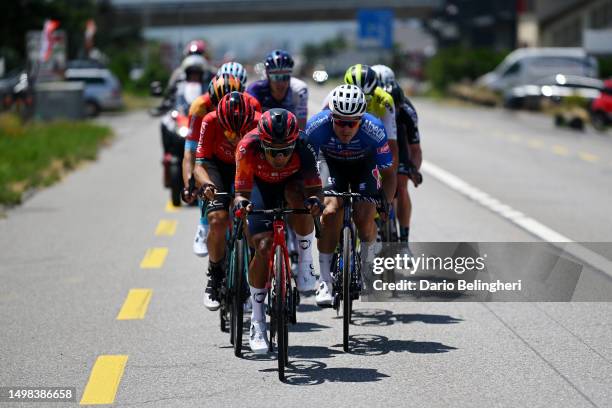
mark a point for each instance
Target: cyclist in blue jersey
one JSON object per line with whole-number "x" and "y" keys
{"x": 353, "y": 151}
{"x": 280, "y": 89}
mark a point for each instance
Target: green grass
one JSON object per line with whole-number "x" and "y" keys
{"x": 37, "y": 154}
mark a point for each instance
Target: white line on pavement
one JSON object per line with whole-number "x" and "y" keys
{"x": 518, "y": 218}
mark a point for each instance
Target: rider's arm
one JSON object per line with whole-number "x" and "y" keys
{"x": 188, "y": 165}
{"x": 414, "y": 137}
{"x": 315, "y": 134}
{"x": 310, "y": 171}
{"x": 389, "y": 185}
{"x": 191, "y": 145}
{"x": 299, "y": 91}
{"x": 312, "y": 180}
{"x": 170, "y": 90}
{"x": 244, "y": 178}
{"x": 201, "y": 174}
{"x": 416, "y": 155}
{"x": 204, "y": 151}
{"x": 384, "y": 162}
{"x": 391, "y": 129}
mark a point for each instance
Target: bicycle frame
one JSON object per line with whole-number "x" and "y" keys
{"x": 278, "y": 227}
{"x": 283, "y": 303}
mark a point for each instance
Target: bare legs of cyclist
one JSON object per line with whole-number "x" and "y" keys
{"x": 218, "y": 222}
{"x": 404, "y": 206}
{"x": 258, "y": 269}
{"x": 363, "y": 216}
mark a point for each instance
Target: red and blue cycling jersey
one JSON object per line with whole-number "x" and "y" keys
{"x": 252, "y": 165}
{"x": 296, "y": 100}
{"x": 370, "y": 140}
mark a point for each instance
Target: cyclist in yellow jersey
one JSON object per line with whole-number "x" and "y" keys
{"x": 380, "y": 103}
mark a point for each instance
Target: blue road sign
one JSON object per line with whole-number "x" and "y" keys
{"x": 376, "y": 28}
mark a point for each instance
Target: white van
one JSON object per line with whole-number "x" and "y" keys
{"x": 526, "y": 65}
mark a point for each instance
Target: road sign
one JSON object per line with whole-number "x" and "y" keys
{"x": 375, "y": 28}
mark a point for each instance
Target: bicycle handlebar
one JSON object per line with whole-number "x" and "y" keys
{"x": 357, "y": 196}
{"x": 287, "y": 211}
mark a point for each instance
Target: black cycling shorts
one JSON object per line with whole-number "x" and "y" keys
{"x": 222, "y": 175}
{"x": 362, "y": 176}
{"x": 266, "y": 196}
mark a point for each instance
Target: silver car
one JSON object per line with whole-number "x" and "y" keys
{"x": 102, "y": 89}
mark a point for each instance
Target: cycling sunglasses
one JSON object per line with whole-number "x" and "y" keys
{"x": 346, "y": 123}
{"x": 279, "y": 77}
{"x": 275, "y": 151}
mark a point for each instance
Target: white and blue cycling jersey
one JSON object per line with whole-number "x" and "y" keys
{"x": 370, "y": 140}
{"x": 296, "y": 100}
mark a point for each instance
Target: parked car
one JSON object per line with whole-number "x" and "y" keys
{"x": 553, "y": 87}
{"x": 601, "y": 107}
{"x": 84, "y": 63}
{"x": 12, "y": 87}
{"x": 102, "y": 89}
{"x": 526, "y": 65}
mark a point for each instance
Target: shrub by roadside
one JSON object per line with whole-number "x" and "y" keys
{"x": 37, "y": 154}
{"x": 452, "y": 65}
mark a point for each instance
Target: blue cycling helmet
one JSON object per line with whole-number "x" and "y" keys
{"x": 279, "y": 61}
{"x": 236, "y": 69}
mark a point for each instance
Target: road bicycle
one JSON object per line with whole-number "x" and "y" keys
{"x": 346, "y": 279}
{"x": 282, "y": 296}
{"x": 233, "y": 290}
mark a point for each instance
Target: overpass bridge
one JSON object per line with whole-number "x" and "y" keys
{"x": 158, "y": 13}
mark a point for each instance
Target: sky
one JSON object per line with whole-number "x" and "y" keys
{"x": 261, "y": 37}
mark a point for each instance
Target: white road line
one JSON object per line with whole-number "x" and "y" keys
{"x": 527, "y": 223}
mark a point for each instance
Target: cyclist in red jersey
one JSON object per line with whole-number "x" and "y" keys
{"x": 218, "y": 87}
{"x": 272, "y": 164}
{"x": 215, "y": 168}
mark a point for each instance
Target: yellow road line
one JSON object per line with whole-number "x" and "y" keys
{"x": 154, "y": 258}
{"x": 170, "y": 208}
{"x": 166, "y": 228}
{"x": 135, "y": 305}
{"x": 534, "y": 143}
{"x": 104, "y": 380}
{"x": 560, "y": 150}
{"x": 588, "y": 157}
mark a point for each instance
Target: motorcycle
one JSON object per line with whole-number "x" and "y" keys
{"x": 174, "y": 130}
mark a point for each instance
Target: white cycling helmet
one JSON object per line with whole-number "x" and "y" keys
{"x": 386, "y": 76}
{"x": 194, "y": 62}
{"x": 348, "y": 101}
{"x": 236, "y": 69}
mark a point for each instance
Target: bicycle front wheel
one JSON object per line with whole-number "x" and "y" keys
{"x": 346, "y": 286}
{"x": 280, "y": 311}
{"x": 237, "y": 309}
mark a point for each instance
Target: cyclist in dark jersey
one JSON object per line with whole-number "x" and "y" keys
{"x": 280, "y": 89}
{"x": 272, "y": 164}
{"x": 410, "y": 154}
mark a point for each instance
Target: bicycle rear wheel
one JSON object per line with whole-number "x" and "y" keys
{"x": 237, "y": 308}
{"x": 280, "y": 312}
{"x": 346, "y": 287}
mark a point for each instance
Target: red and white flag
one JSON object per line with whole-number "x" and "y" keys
{"x": 90, "y": 32}
{"x": 46, "y": 41}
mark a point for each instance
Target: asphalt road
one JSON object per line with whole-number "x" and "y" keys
{"x": 72, "y": 253}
